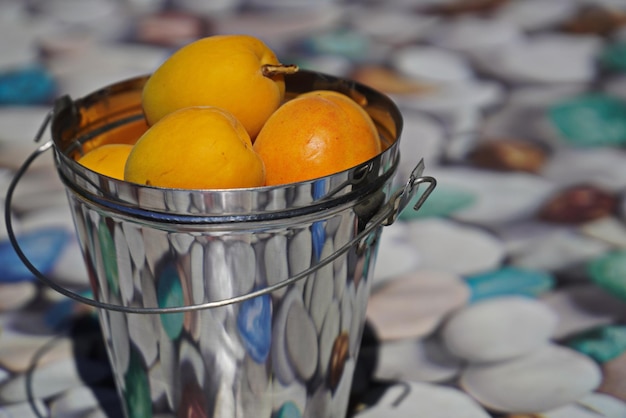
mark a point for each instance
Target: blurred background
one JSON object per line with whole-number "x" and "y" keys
{"x": 504, "y": 296}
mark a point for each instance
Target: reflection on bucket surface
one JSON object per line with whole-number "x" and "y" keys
{"x": 286, "y": 347}
{"x": 255, "y": 299}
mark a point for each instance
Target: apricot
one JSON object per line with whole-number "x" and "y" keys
{"x": 314, "y": 135}
{"x": 238, "y": 73}
{"x": 354, "y": 108}
{"x": 200, "y": 147}
{"x": 108, "y": 159}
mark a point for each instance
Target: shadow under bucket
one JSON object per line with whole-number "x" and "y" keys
{"x": 229, "y": 303}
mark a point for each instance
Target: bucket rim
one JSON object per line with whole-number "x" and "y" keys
{"x": 74, "y": 122}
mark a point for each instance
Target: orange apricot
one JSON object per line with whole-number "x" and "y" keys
{"x": 314, "y": 135}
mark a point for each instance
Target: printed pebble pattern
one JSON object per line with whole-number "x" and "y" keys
{"x": 502, "y": 297}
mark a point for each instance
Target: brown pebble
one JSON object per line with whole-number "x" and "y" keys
{"x": 508, "y": 155}
{"x": 193, "y": 404}
{"x": 614, "y": 378}
{"x": 338, "y": 359}
{"x": 389, "y": 81}
{"x": 596, "y": 20}
{"x": 466, "y": 6}
{"x": 170, "y": 28}
{"x": 579, "y": 204}
{"x": 524, "y": 416}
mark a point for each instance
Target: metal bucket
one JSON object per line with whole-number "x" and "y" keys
{"x": 228, "y": 303}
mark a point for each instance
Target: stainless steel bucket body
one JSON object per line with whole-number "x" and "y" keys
{"x": 258, "y": 296}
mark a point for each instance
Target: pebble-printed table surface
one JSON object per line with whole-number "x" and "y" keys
{"x": 504, "y": 296}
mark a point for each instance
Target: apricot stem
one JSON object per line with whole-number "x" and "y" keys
{"x": 269, "y": 70}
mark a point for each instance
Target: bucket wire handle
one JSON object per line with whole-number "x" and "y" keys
{"x": 9, "y": 221}
{"x": 387, "y": 215}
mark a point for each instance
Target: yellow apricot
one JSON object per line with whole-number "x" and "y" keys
{"x": 315, "y": 135}
{"x": 201, "y": 147}
{"x": 238, "y": 73}
{"x": 108, "y": 159}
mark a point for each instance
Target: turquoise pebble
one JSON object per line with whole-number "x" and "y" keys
{"x": 109, "y": 257}
{"x": 288, "y": 410}
{"x": 343, "y": 42}
{"x": 170, "y": 295}
{"x": 509, "y": 281}
{"x": 590, "y": 120}
{"x": 614, "y": 57}
{"x": 42, "y": 248}
{"x": 370, "y": 254}
{"x": 254, "y": 323}
{"x": 443, "y": 201}
{"x": 137, "y": 388}
{"x": 26, "y": 86}
{"x": 87, "y": 238}
{"x": 602, "y": 344}
{"x": 609, "y": 272}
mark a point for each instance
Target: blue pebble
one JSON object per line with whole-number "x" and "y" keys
{"x": 170, "y": 295}
{"x": 319, "y": 188}
{"x": 318, "y": 234}
{"x": 59, "y": 313}
{"x": 42, "y": 248}
{"x": 26, "y": 86}
{"x": 254, "y": 323}
{"x": 62, "y": 312}
{"x": 509, "y": 281}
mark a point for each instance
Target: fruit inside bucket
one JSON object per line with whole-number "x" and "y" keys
{"x": 216, "y": 116}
